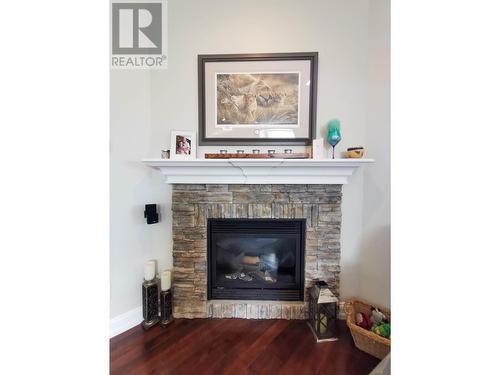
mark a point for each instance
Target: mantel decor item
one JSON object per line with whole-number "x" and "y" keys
{"x": 317, "y": 149}
{"x": 165, "y": 154}
{"x": 271, "y": 155}
{"x": 354, "y": 153}
{"x": 322, "y": 312}
{"x": 183, "y": 145}
{"x": 257, "y": 99}
{"x": 333, "y": 136}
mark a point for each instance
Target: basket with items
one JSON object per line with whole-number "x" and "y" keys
{"x": 370, "y": 327}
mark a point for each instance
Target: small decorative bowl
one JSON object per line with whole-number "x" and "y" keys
{"x": 355, "y": 153}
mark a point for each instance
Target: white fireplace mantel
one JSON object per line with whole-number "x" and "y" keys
{"x": 257, "y": 171}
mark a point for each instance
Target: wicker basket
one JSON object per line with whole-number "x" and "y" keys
{"x": 365, "y": 340}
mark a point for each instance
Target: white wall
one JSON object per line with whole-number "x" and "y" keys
{"x": 132, "y": 242}
{"x": 338, "y": 30}
{"x": 375, "y": 259}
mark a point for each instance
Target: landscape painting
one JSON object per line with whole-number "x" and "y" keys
{"x": 257, "y": 99}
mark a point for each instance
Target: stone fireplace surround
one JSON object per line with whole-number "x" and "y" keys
{"x": 193, "y": 204}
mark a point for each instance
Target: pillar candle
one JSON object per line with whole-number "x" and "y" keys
{"x": 165, "y": 280}
{"x": 149, "y": 270}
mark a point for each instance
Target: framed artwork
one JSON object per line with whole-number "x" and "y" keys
{"x": 257, "y": 99}
{"x": 182, "y": 145}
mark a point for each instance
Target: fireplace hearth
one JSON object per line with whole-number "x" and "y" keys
{"x": 256, "y": 259}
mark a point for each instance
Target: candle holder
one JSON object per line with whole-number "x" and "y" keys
{"x": 150, "y": 290}
{"x": 166, "y": 308}
{"x": 333, "y": 136}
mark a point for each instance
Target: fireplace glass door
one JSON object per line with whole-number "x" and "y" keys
{"x": 256, "y": 259}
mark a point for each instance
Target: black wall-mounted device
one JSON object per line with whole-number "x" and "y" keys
{"x": 151, "y": 214}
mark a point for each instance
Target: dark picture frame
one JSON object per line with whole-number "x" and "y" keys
{"x": 308, "y": 126}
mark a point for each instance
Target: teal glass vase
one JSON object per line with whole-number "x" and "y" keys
{"x": 333, "y": 136}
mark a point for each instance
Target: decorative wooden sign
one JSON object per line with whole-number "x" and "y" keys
{"x": 304, "y": 155}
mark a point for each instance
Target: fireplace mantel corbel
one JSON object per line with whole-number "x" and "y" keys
{"x": 257, "y": 171}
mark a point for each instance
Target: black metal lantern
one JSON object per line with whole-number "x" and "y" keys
{"x": 322, "y": 312}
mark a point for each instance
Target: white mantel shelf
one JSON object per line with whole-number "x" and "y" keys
{"x": 257, "y": 171}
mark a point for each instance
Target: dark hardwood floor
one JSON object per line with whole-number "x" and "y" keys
{"x": 235, "y": 346}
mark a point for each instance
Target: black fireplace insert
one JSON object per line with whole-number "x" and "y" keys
{"x": 256, "y": 259}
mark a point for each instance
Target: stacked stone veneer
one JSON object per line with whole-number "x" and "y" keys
{"x": 192, "y": 205}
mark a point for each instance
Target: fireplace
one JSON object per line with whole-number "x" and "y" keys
{"x": 195, "y": 210}
{"x": 256, "y": 259}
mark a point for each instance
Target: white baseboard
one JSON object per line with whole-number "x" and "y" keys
{"x": 125, "y": 321}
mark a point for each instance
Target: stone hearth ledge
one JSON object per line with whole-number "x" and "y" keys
{"x": 257, "y": 171}
{"x": 243, "y": 309}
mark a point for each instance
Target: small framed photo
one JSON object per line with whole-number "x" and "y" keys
{"x": 183, "y": 145}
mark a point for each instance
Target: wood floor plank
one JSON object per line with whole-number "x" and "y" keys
{"x": 126, "y": 346}
{"x": 249, "y": 354}
{"x": 285, "y": 344}
{"x": 235, "y": 346}
{"x": 158, "y": 341}
{"x": 182, "y": 349}
{"x": 308, "y": 353}
{"x": 212, "y": 350}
